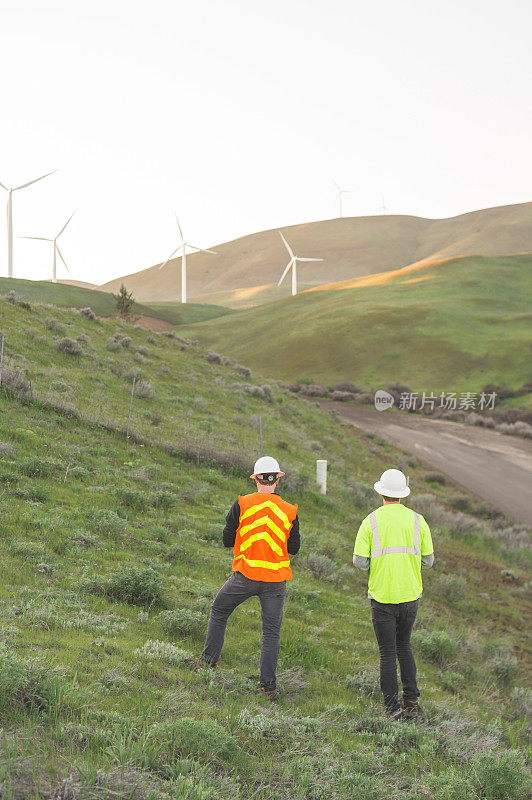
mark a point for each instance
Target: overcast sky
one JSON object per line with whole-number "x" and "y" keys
{"x": 240, "y": 114}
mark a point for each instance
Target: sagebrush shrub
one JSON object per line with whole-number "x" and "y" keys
{"x": 132, "y": 585}
{"x": 504, "y": 669}
{"x": 204, "y": 740}
{"x": 52, "y": 324}
{"x": 452, "y": 588}
{"x": 155, "y": 650}
{"x": 29, "y": 684}
{"x": 69, "y": 346}
{"x": 88, "y": 312}
{"x": 183, "y": 622}
{"x": 322, "y": 567}
{"x": 144, "y": 389}
{"x": 132, "y": 498}
{"x": 436, "y": 646}
{"x": 502, "y": 776}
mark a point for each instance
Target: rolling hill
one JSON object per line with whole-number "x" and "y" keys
{"x": 111, "y": 554}
{"x": 450, "y": 325}
{"x": 245, "y": 271}
{"x": 76, "y": 295}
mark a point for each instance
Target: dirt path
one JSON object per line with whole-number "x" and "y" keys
{"x": 494, "y": 466}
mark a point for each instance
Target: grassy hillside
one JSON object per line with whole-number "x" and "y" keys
{"x": 245, "y": 271}
{"x": 111, "y": 554}
{"x": 102, "y": 303}
{"x": 453, "y": 325}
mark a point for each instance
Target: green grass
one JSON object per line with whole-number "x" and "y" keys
{"x": 464, "y": 324}
{"x": 109, "y": 564}
{"x": 102, "y": 303}
{"x": 182, "y": 314}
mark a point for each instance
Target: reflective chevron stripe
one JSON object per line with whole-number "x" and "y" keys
{"x": 264, "y": 564}
{"x": 379, "y": 551}
{"x": 266, "y": 520}
{"x": 273, "y": 507}
{"x": 266, "y": 537}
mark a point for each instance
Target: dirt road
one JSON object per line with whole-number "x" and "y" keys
{"x": 493, "y": 465}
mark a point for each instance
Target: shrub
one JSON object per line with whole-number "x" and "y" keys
{"x": 451, "y": 785}
{"x": 155, "y": 650}
{"x": 131, "y": 498}
{"x": 144, "y": 389}
{"x": 347, "y": 386}
{"x": 7, "y": 449}
{"x": 112, "y": 343}
{"x": 244, "y": 371}
{"x": 321, "y": 566}
{"x": 452, "y": 588}
{"x": 143, "y": 350}
{"x": 435, "y": 477}
{"x": 14, "y": 381}
{"x": 52, "y": 324}
{"x": 214, "y": 358}
{"x": 502, "y": 776}
{"x": 83, "y": 338}
{"x": 69, "y": 346}
{"x": 28, "y": 684}
{"x": 88, "y": 312}
{"x": 503, "y": 669}
{"x": 37, "y": 467}
{"x": 203, "y": 740}
{"x": 163, "y": 500}
{"x": 341, "y": 396}
{"x": 183, "y": 622}
{"x": 435, "y": 646}
{"x": 137, "y": 587}
{"x": 105, "y": 521}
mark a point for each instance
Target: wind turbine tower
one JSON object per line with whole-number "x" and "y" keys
{"x": 57, "y": 251}
{"x": 338, "y": 198}
{"x": 384, "y": 208}
{"x": 293, "y": 264}
{"x": 183, "y": 247}
{"x": 10, "y": 191}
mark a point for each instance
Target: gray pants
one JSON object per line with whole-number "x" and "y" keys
{"x": 234, "y": 591}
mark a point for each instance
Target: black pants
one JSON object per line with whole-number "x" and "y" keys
{"x": 393, "y": 623}
{"x": 234, "y": 591}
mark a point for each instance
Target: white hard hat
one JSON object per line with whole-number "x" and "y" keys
{"x": 393, "y": 483}
{"x": 266, "y": 464}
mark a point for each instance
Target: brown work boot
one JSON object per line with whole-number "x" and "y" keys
{"x": 395, "y": 714}
{"x": 271, "y": 694}
{"x": 410, "y": 708}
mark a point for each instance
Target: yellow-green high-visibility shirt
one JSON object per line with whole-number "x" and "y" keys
{"x": 395, "y": 538}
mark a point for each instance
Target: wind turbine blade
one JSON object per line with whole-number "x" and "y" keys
{"x": 23, "y": 186}
{"x": 339, "y": 190}
{"x": 281, "y": 279}
{"x": 201, "y": 249}
{"x": 286, "y": 245}
{"x": 62, "y": 259}
{"x": 169, "y": 257}
{"x": 309, "y": 259}
{"x": 4, "y": 187}
{"x": 179, "y": 226}
{"x": 64, "y": 226}
{"x": 40, "y": 238}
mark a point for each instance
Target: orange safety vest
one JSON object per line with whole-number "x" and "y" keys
{"x": 261, "y": 537}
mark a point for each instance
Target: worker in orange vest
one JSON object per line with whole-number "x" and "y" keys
{"x": 263, "y": 530}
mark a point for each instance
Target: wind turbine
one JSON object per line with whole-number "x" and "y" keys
{"x": 384, "y": 208}
{"x": 56, "y": 248}
{"x": 10, "y": 191}
{"x": 183, "y": 247}
{"x": 293, "y": 263}
{"x": 339, "y": 196}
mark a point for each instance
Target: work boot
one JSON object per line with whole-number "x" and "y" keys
{"x": 395, "y": 714}
{"x": 271, "y": 694}
{"x": 410, "y": 709}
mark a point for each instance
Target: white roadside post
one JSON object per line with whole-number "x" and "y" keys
{"x": 321, "y": 475}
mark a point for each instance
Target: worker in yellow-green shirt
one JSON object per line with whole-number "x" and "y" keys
{"x": 393, "y": 543}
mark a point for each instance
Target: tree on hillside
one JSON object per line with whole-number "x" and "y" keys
{"x": 124, "y": 302}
